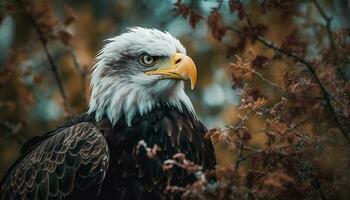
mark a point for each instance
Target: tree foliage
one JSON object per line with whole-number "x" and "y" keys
{"x": 305, "y": 114}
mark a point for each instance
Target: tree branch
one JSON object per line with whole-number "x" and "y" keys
{"x": 325, "y": 94}
{"x": 47, "y": 52}
{"x": 220, "y": 4}
{"x": 332, "y": 45}
{"x": 328, "y": 21}
{"x": 81, "y": 70}
{"x": 262, "y": 78}
{"x": 240, "y": 156}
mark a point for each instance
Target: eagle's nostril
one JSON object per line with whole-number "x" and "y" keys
{"x": 177, "y": 61}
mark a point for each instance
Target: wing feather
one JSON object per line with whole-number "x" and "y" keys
{"x": 71, "y": 161}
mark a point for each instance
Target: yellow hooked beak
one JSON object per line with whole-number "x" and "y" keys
{"x": 182, "y": 67}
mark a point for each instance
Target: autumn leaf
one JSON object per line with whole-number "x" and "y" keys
{"x": 69, "y": 15}
{"x": 194, "y": 18}
{"x": 279, "y": 181}
{"x": 236, "y": 6}
{"x": 185, "y": 11}
{"x": 242, "y": 69}
{"x": 65, "y": 37}
{"x": 295, "y": 44}
{"x": 216, "y": 24}
{"x": 182, "y": 9}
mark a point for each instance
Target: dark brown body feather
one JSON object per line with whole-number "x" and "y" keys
{"x": 85, "y": 159}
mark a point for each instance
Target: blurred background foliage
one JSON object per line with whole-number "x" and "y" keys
{"x": 217, "y": 35}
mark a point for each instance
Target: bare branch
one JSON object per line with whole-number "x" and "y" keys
{"x": 332, "y": 45}
{"x": 220, "y": 4}
{"x": 47, "y": 52}
{"x": 262, "y": 78}
{"x": 81, "y": 70}
{"x": 240, "y": 156}
{"x": 328, "y": 21}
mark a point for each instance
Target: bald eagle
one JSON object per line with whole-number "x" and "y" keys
{"x": 137, "y": 95}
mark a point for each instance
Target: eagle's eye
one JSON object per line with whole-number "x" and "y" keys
{"x": 148, "y": 60}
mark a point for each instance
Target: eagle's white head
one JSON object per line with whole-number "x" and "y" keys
{"x": 138, "y": 71}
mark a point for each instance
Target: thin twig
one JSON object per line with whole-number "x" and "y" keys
{"x": 47, "y": 52}
{"x": 293, "y": 128}
{"x": 241, "y": 145}
{"x": 81, "y": 70}
{"x": 328, "y": 21}
{"x": 240, "y": 125}
{"x": 332, "y": 45}
{"x": 240, "y": 156}
{"x": 262, "y": 78}
{"x": 256, "y": 172}
{"x": 266, "y": 80}
{"x": 220, "y": 4}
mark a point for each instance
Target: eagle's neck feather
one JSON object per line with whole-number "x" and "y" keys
{"x": 121, "y": 98}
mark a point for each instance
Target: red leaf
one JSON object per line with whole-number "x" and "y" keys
{"x": 65, "y": 37}
{"x": 182, "y": 9}
{"x": 217, "y": 25}
{"x": 194, "y": 18}
{"x": 70, "y": 15}
{"x": 237, "y": 6}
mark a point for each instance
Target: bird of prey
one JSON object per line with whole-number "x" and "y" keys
{"x": 137, "y": 95}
